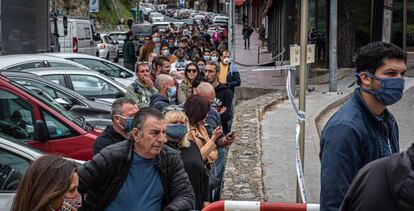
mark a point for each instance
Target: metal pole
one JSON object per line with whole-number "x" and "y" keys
{"x": 405, "y": 25}
{"x": 332, "y": 46}
{"x": 302, "y": 81}
{"x": 230, "y": 28}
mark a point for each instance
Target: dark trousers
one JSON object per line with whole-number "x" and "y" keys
{"x": 247, "y": 42}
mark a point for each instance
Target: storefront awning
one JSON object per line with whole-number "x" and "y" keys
{"x": 267, "y": 8}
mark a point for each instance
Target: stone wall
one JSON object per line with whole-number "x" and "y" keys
{"x": 243, "y": 179}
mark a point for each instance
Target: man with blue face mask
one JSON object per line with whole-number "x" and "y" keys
{"x": 166, "y": 92}
{"x": 122, "y": 112}
{"x": 363, "y": 130}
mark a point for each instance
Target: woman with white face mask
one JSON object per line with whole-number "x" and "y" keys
{"x": 50, "y": 183}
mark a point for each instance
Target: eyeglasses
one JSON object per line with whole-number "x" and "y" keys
{"x": 192, "y": 70}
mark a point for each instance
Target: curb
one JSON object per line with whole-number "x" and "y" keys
{"x": 315, "y": 118}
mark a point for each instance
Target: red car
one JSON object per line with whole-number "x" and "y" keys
{"x": 29, "y": 117}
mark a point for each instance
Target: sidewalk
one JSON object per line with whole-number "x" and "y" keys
{"x": 246, "y": 63}
{"x": 278, "y": 143}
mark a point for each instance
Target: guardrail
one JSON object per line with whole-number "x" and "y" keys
{"x": 259, "y": 206}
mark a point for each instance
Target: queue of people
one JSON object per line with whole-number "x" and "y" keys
{"x": 166, "y": 147}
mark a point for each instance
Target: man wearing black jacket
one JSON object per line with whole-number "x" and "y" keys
{"x": 384, "y": 184}
{"x": 122, "y": 112}
{"x": 224, "y": 96}
{"x": 137, "y": 174}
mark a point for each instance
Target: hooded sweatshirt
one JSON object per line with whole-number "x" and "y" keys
{"x": 159, "y": 102}
{"x": 384, "y": 184}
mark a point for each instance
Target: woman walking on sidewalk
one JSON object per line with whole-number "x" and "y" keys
{"x": 247, "y": 32}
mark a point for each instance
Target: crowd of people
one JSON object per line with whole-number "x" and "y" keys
{"x": 167, "y": 145}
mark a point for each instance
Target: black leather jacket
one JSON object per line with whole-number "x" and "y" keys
{"x": 101, "y": 178}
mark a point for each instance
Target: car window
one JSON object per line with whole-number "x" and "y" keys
{"x": 61, "y": 64}
{"x": 94, "y": 65}
{"x": 16, "y": 116}
{"x": 93, "y": 87}
{"x": 52, "y": 92}
{"x": 55, "y": 128}
{"x": 59, "y": 79}
{"x": 117, "y": 72}
{"x": 12, "y": 169}
{"x": 29, "y": 65}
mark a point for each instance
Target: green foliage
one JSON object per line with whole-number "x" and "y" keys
{"x": 107, "y": 13}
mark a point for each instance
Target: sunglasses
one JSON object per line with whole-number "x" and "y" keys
{"x": 192, "y": 70}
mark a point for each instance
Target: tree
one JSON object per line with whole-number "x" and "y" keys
{"x": 346, "y": 34}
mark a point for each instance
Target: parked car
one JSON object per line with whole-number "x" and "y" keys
{"x": 20, "y": 62}
{"x": 79, "y": 38}
{"x": 96, "y": 113}
{"x": 155, "y": 17}
{"x": 140, "y": 31}
{"x": 108, "y": 48}
{"x": 220, "y": 19}
{"x": 160, "y": 26}
{"x": 108, "y": 68}
{"x": 43, "y": 124}
{"x": 90, "y": 84}
{"x": 15, "y": 159}
{"x": 119, "y": 37}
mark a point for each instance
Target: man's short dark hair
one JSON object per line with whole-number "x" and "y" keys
{"x": 118, "y": 104}
{"x": 215, "y": 64}
{"x": 160, "y": 61}
{"x": 196, "y": 108}
{"x": 372, "y": 56}
{"x": 224, "y": 50}
{"x": 143, "y": 114}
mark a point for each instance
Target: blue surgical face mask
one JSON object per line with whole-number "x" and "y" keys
{"x": 390, "y": 92}
{"x": 128, "y": 123}
{"x": 156, "y": 39}
{"x": 207, "y": 58}
{"x": 171, "y": 91}
{"x": 166, "y": 52}
{"x": 176, "y": 131}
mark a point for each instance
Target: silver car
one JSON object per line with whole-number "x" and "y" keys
{"x": 108, "y": 68}
{"x": 20, "y": 62}
{"x": 88, "y": 83}
{"x": 107, "y": 48}
{"x": 15, "y": 159}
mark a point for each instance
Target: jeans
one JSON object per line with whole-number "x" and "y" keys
{"x": 219, "y": 165}
{"x": 247, "y": 42}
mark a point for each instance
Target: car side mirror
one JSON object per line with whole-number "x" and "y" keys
{"x": 40, "y": 131}
{"x": 62, "y": 102}
{"x": 119, "y": 94}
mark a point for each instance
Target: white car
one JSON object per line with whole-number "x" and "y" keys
{"x": 220, "y": 19}
{"x": 88, "y": 83}
{"x": 156, "y": 17}
{"x": 79, "y": 38}
{"x": 108, "y": 48}
{"x": 113, "y": 70}
{"x": 20, "y": 62}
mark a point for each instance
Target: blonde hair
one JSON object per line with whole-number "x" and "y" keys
{"x": 179, "y": 116}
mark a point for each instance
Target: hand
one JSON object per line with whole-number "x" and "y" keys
{"x": 216, "y": 133}
{"x": 221, "y": 110}
{"x": 230, "y": 138}
{"x": 148, "y": 83}
{"x": 205, "y": 204}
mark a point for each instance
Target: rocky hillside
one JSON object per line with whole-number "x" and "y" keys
{"x": 107, "y": 17}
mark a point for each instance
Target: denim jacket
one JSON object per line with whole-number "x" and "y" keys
{"x": 353, "y": 137}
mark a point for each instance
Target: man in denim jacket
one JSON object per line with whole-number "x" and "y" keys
{"x": 363, "y": 130}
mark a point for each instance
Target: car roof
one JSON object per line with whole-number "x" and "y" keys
{"x": 28, "y": 75}
{"x": 10, "y": 60}
{"x": 86, "y": 56}
{"x": 65, "y": 70}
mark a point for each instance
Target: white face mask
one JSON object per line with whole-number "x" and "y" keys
{"x": 226, "y": 61}
{"x": 214, "y": 58}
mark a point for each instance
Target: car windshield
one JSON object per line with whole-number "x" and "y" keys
{"x": 142, "y": 29}
{"x": 118, "y": 37}
{"x": 157, "y": 15}
{"x": 52, "y": 104}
